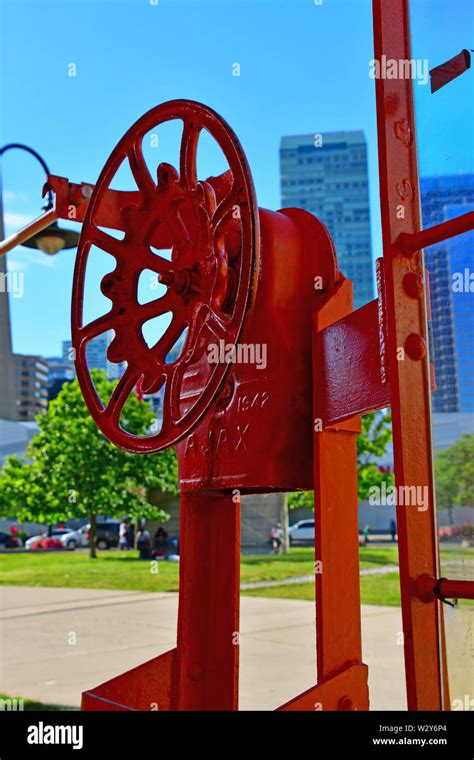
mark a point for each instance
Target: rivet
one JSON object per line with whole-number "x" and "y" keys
{"x": 405, "y": 190}
{"x": 413, "y": 285}
{"x": 346, "y": 704}
{"x": 403, "y": 132}
{"x": 415, "y": 346}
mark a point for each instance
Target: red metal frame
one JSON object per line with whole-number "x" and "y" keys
{"x": 343, "y": 364}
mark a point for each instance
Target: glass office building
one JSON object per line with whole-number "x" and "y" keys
{"x": 449, "y": 265}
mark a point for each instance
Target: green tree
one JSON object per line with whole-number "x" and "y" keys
{"x": 372, "y": 443}
{"x": 454, "y": 470}
{"x": 71, "y": 470}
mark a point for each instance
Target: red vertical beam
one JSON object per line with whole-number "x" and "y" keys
{"x": 409, "y": 372}
{"x": 208, "y": 617}
{"x": 338, "y": 621}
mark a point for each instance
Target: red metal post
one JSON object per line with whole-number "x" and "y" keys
{"x": 338, "y": 624}
{"x": 208, "y": 618}
{"x": 408, "y": 361}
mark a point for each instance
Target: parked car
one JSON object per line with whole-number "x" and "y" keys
{"x": 7, "y": 541}
{"x": 107, "y": 534}
{"x": 301, "y": 532}
{"x": 69, "y": 539}
{"x": 45, "y": 542}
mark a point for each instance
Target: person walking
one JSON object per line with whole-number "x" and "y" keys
{"x": 123, "y": 542}
{"x": 277, "y": 536}
{"x": 393, "y": 529}
{"x": 144, "y": 542}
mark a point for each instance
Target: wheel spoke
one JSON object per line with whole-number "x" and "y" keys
{"x": 106, "y": 242}
{"x": 228, "y": 205}
{"x": 97, "y": 327}
{"x": 168, "y": 339}
{"x": 155, "y": 308}
{"x": 120, "y": 394}
{"x": 139, "y": 167}
{"x": 187, "y": 157}
{"x": 156, "y": 263}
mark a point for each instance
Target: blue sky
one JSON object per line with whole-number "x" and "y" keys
{"x": 304, "y": 68}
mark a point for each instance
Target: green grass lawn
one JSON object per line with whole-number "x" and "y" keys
{"x": 124, "y": 571}
{"x": 111, "y": 570}
{"x": 374, "y": 589}
{"x": 31, "y": 705}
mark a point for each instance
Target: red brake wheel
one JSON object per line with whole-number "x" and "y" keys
{"x": 212, "y": 228}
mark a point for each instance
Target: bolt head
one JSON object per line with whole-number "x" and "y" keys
{"x": 166, "y": 278}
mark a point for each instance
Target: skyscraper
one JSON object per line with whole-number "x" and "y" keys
{"x": 96, "y": 354}
{"x": 31, "y": 383}
{"x": 327, "y": 175}
{"x": 67, "y": 353}
{"x": 444, "y": 198}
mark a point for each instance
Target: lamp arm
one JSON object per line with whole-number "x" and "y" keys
{"x": 20, "y": 146}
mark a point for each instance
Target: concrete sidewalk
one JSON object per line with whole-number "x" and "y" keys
{"x": 114, "y": 631}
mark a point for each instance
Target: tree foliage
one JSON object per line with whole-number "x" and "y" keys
{"x": 71, "y": 470}
{"x": 372, "y": 443}
{"x": 454, "y": 470}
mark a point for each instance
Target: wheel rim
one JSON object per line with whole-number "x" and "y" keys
{"x": 208, "y": 291}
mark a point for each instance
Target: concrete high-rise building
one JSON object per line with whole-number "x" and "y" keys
{"x": 31, "y": 384}
{"x": 327, "y": 175}
{"x": 450, "y": 265}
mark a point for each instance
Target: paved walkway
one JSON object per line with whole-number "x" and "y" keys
{"x": 116, "y": 630}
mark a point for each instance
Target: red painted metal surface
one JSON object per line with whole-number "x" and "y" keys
{"x": 346, "y": 691}
{"x": 415, "y": 241}
{"x": 208, "y": 618}
{"x": 338, "y": 623}
{"x": 210, "y": 278}
{"x": 150, "y": 686}
{"x": 452, "y": 589}
{"x": 225, "y": 450}
{"x": 324, "y": 363}
{"x": 409, "y": 377}
{"x": 355, "y": 341}
{"x": 286, "y": 420}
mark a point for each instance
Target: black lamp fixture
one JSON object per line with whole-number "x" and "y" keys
{"x": 53, "y": 238}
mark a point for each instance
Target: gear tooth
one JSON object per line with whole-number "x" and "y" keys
{"x": 115, "y": 351}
